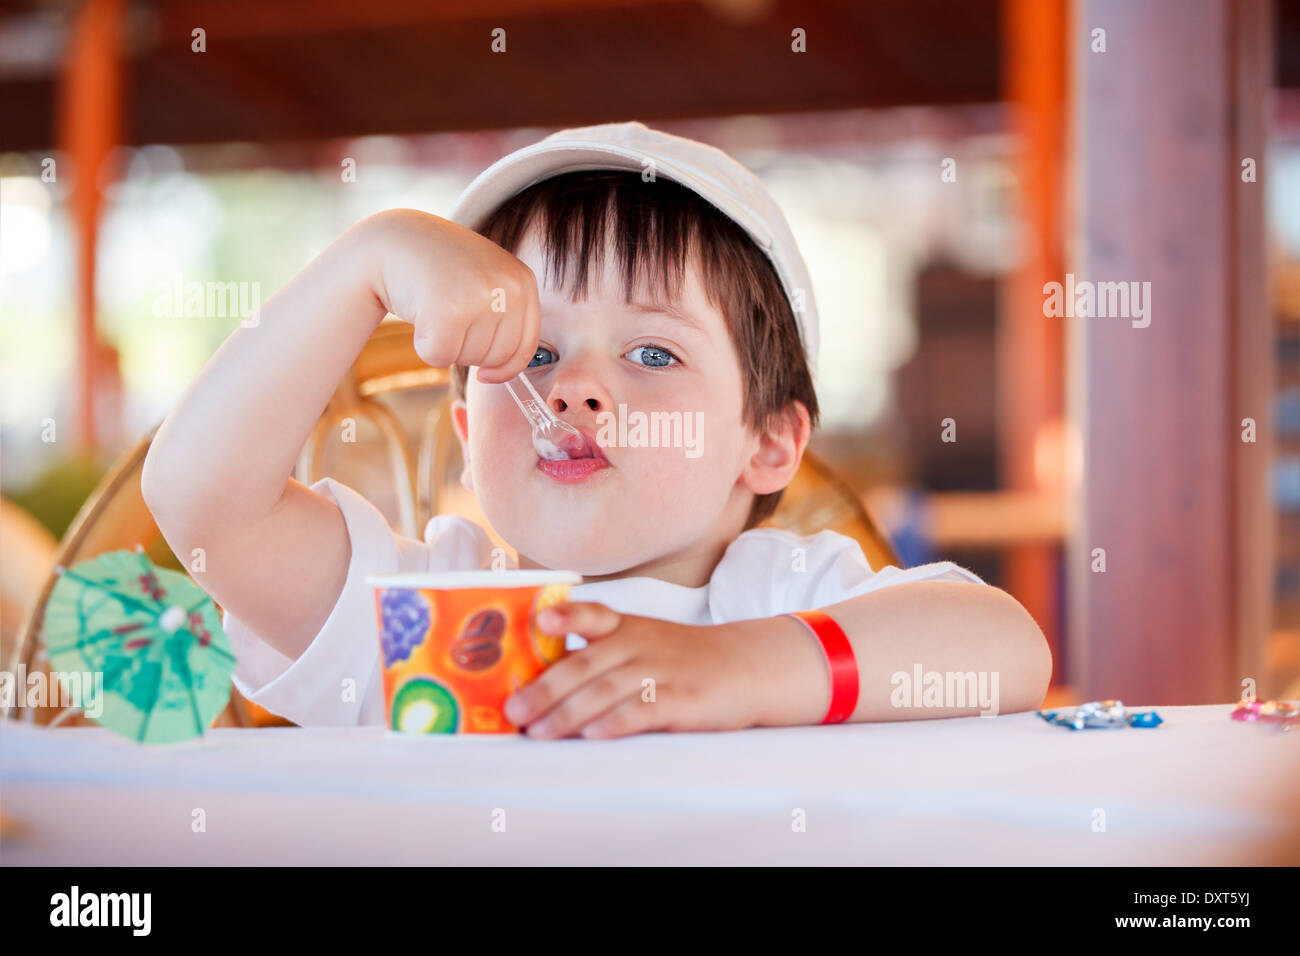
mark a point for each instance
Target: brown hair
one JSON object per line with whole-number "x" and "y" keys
{"x": 654, "y": 228}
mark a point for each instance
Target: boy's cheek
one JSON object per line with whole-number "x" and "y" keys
{"x": 497, "y": 431}
{"x": 665, "y": 480}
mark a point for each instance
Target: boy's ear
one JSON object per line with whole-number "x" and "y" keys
{"x": 460, "y": 422}
{"x": 780, "y": 450}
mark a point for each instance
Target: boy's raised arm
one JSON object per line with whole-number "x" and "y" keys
{"x": 217, "y": 476}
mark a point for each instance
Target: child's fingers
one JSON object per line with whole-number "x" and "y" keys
{"x": 437, "y": 346}
{"x": 628, "y": 716}
{"x": 479, "y": 336}
{"x": 588, "y": 702}
{"x": 505, "y": 345}
{"x": 531, "y": 331}
{"x": 594, "y": 663}
{"x": 525, "y": 347}
{"x": 587, "y": 618}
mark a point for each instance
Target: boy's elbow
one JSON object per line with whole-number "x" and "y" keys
{"x": 1027, "y": 658}
{"x": 160, "y": 488}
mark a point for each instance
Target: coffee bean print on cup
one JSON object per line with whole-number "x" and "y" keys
{"x": 479, "y": 645}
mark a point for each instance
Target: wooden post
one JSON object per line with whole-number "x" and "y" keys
{"x": 89, "y": 128}
{"x": 1253, "y": 341}
{"x": 1031, "y": 349}
{"x": 1168, "y": 100}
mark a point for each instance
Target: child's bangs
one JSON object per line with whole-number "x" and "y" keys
{"x": 581, "y": 218}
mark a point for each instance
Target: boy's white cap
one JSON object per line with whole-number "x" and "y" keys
{"x": 703, "y": 169}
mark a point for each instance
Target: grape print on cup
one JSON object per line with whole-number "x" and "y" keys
{"x": 406, "y": 622}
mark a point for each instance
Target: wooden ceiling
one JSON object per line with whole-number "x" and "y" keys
{"x": 294, "y": 70}
{"x": 313, "y": 69}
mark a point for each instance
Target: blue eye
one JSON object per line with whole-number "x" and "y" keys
{"x": 652, "y": 356}
{"x": 542, "y": 356}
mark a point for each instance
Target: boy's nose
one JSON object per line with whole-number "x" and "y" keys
{"x": 576, "y": 389}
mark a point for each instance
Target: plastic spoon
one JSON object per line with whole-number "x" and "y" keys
{"x": 548, "y": 431}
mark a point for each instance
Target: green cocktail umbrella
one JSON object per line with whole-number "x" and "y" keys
{"x": 153, "y": 634}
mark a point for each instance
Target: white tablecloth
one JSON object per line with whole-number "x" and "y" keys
{"x": 1201, "y": 789}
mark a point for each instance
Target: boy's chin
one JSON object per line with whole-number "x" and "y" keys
{"x": 587, "y": 565}
{"x": 588, "y": 561}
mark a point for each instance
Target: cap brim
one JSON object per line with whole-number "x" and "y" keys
{"x": 549, "y": 158}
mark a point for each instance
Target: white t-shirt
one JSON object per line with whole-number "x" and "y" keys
{"x": 761, "y": 574}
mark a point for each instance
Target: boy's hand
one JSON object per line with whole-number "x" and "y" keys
{"x": 471, "y": 302}
{"x": 636, "y": 674}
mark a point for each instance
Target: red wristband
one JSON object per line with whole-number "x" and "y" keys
{"x": 839, "y": 657}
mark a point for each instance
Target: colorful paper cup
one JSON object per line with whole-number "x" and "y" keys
{"x": 454, "y": 646}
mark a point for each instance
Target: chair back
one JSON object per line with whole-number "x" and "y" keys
{"x": 820, "y": 500}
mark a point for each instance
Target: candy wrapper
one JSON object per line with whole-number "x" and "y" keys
{"x": 1283, "y": 712}
{"x": 1101, "y": 715}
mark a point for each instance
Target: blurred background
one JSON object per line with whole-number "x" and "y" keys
{"x": 1137, "y": 488}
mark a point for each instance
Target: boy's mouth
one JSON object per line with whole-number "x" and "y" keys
{"x": 585, "y": 459}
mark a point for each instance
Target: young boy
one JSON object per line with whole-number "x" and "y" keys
{"x": 629, "y": 271}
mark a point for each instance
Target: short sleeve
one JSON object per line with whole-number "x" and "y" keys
{"x": 313, "y": 690}
{"x": 766, "y": 572}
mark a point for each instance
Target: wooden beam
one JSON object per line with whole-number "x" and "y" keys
{"x": 296, "y": 18}
{"x": 273, "y": 72}
{"x": 1160, "y": 122}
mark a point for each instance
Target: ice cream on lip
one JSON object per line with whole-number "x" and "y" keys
{"x": 585, "y": 459}
{"x": 581, "y": 445}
